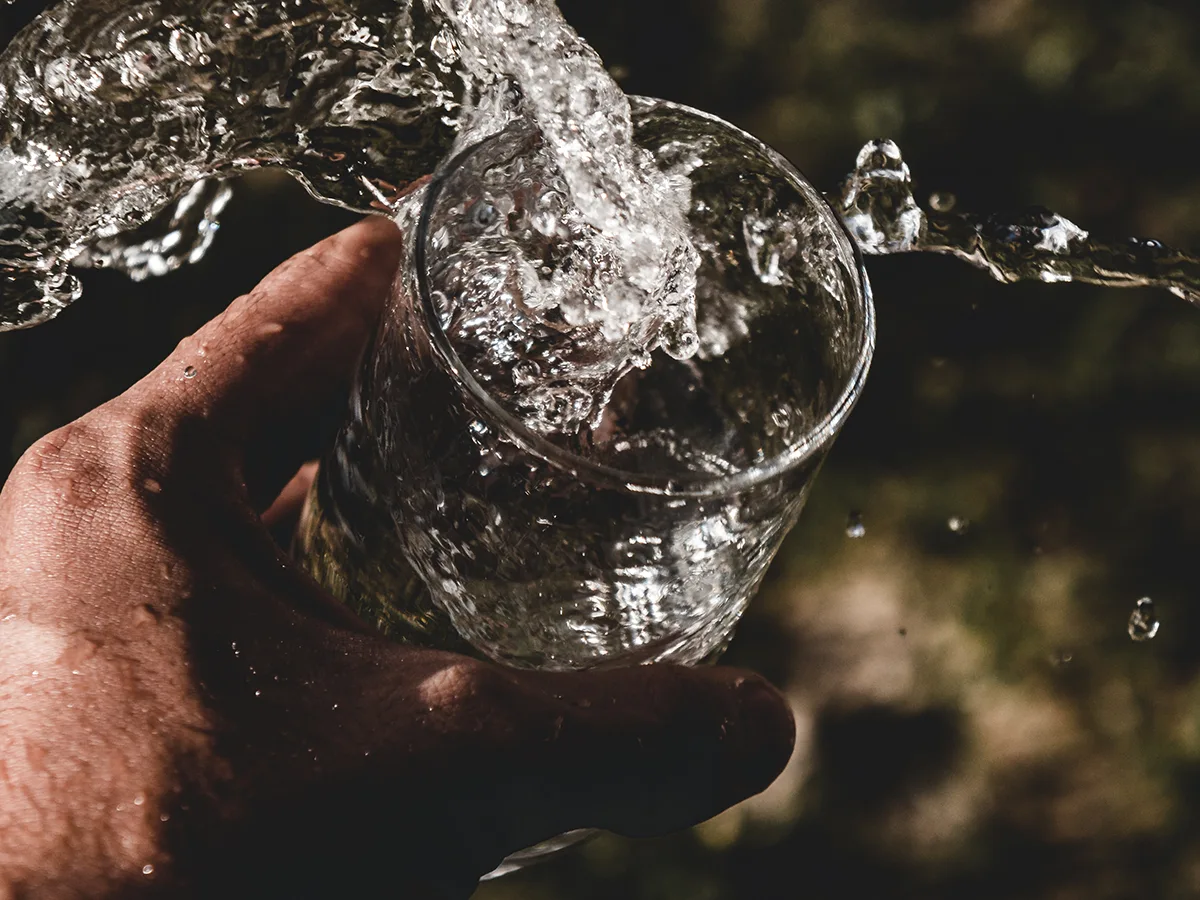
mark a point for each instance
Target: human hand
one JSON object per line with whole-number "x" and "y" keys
{"x": 183, "y": 712}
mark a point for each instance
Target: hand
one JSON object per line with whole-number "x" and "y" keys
{"x": 183, "y": 712}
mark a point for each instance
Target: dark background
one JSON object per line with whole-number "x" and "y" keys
{"x": 974, "y": 721}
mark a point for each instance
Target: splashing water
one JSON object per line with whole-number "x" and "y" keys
{"x": 1143, "y": 622}
{"x": 879, "y": 209}
{"x": 119, "y": 123}
{"x": 110, "y": 112}
{"x": 855, "y": 528}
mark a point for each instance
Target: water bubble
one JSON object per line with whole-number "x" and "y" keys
{"x": 546, "y": 222}
{"x": 1061, "y": 657}
{"x": 1143, "y": 623}
{"x": 484, "y": 214}
{"x": 189, "y": 372}
{"x": 958, "y": 524}
{"x": 147, "y": 869}
{"x": 854, "y": 526}
{"x": 445, "y": 46}
{"x": 526, "y": 373}
{"x": 942, "y": 201}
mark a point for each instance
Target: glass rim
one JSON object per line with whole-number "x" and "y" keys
{"x": 814, "y": 439}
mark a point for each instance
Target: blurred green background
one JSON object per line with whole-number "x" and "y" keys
{"x": 974, "y": 721}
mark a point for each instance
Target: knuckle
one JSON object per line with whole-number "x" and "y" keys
{"x": 320, "y": 263}
{"x": 60, "y": 453}
{"x": 475, "y": 695}
{"x": 87, "y": 460}
{"x": 457, "y": 683}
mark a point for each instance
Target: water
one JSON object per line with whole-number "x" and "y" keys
{"x": 1143, "y": 621}
{"x": 878, "y": 206}
{"x": 534, "y": 295}
{"x": 120, "y": 122}
{"x": 855, "y": 528}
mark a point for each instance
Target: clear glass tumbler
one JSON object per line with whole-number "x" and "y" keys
{"x": 443, "y": 517}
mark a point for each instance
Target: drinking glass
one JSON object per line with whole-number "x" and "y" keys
{"x": 443, "y": 517}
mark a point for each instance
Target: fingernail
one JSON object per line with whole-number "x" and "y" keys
{"x": 766, "y": 736}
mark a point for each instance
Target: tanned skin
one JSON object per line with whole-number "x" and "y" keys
{"x": 184, "y": 714}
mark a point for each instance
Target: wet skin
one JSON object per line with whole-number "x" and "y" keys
{"x": 183, "y": 713}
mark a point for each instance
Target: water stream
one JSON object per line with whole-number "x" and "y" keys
{"x": 877, "y": 204}
{"x": 120, "y": 123}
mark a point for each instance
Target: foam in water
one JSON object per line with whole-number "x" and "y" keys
{"x": 574, "y": 263}
{"x": 634, "y": 212}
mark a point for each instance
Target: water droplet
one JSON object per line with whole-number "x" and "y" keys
{"x": 145, "y": 614}
{"x": 854, "y": 526}
{"x": 484, "y": 214}
{"x": 1143, "y": 623}
{"x": 78, "y": 651}
{"x": 147, "y": 869}
{"x": 1061, "y": 657}
{"x": 139, "y": 800}
{"x": 189, "y": 372}
{"x": 942, "y": 201}
{"x": 526, "y": 373}
{"x": 958, "y": 524}
{"x": 164, "y": 817}
{"x": 258, "y": 693}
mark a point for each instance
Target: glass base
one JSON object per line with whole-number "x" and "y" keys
{"x": 540, "y": 852}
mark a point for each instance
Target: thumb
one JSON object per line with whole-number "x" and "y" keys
{"x": 640, "y": 751}
{"x": 438, "y": 766}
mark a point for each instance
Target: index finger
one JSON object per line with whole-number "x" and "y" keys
{"x": 296, "y": 336}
